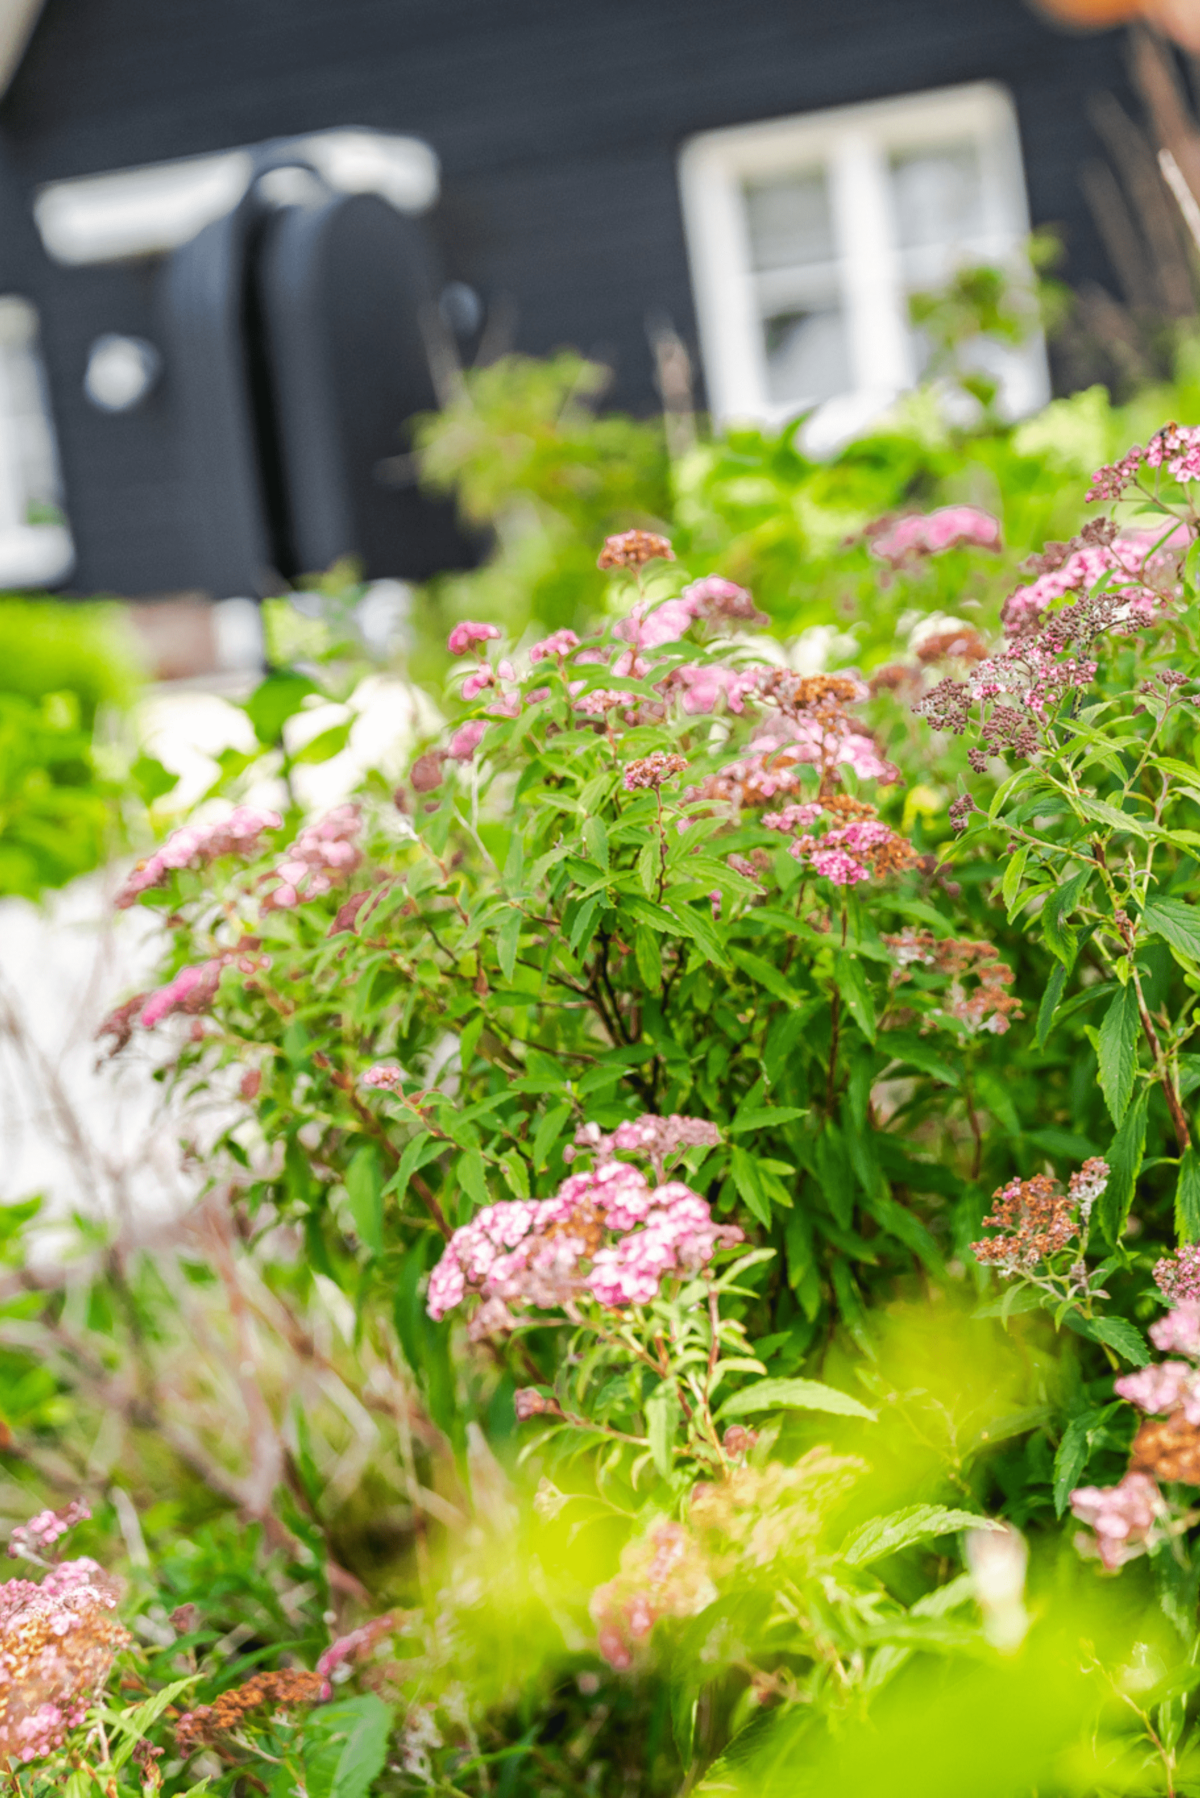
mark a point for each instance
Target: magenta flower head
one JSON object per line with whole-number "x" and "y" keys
{"x": 560, "y": 643}
{"x": 466, "y": 740}
{"x": 902, "y": 540}
{"x": 464, "y": 635}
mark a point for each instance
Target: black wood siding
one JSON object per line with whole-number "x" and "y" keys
{"x": 557, "y": 123}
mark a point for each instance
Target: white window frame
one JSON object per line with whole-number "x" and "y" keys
{"x": 853, "y": 144}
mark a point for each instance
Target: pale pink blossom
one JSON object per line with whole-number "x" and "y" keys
{"x": 663, "y": 1574}
{"x": 558, "y": 643}
{"x": 195, "y": 845}
{"x": 1124, "y": 1517}
{"x": 324, "y": 853}
{"x": 917, "y": 535}
{"x": 385, "y": 1076}
{"x": 505, "y": 705}
{"x": 667, "y": 623}
{"x": 192, "y": 990}
{"x": 721, "y": 600}
{"x": 1122, "y": 562}
{"x": 1177, "y": 449}
{"x": 350, "y": 1646}
{"x": 466, "y": 740}
{"x": 1162, "y": 1387}
{"x": 1179, "y": 1331}
{"x": 704, "y": 685}
{"x": 477, "y": 682}
{"x": 1177, "y": 1275}
{"x": 46, "y": 1528}
{"x": 464, "y": 635}
{"x": 833, "y": 865}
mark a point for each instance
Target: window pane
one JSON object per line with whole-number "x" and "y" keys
{"x": 790, "y": 220}
{"x": 938, "y": 196}
{"x": 808, "y": 357}
{"x": 35, "y": 544}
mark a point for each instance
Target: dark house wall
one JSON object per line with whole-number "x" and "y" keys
{"x": 557, "y": 124}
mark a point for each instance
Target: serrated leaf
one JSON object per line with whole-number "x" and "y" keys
{"x": 516, "y": 1174}
{"x": 852, "y": 985}
{"x": 662, "y": 1414}
{"x": 422, "y": 1148}
{"x": 1176, "y": 922}
{"x": 766, "y": 1117}
{"x": 1071, "y": 1458}
{"x": 1116, "y": 1333}
{"x": 648, "y": 956}
{"x": 548, "y": 1132}
{"x": 900, "y": 1529}
{"x": 1100, "y": 812}
{"x": 1051, "y": 995}
{"x": 793, "y": 1395}
{"x": 1187, "y": 1198}
{"x": 649, "y": 862}
{"x": 471, "y": 1176}
{"x": 596, "y": 837}
{"x": 1010, "y": 884}
{"x": 507, "y": 939}
{"x": 1116, "y": 1049}
{"x": 345, "y": 1746}
{"x": 1124, "y": 1164}
{"x": 766, "y": 976}
{"x": 743, "y": 1169}
{"x": 364, "y": 1190}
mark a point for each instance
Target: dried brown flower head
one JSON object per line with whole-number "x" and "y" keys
{"x": 653, "y": 771}
{"x": 282, "y": 1691}
{"x": 1169, "y": 1448}
{"x": 1037, "y": 1220}
{"x": 633, "y": 549}
{"x": 963, "y": 643}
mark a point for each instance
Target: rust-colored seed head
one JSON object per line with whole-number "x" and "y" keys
{"x": 632, "y": 549}
{"x": 283, "y": 1691}
{"x": 1169, "y": 1448}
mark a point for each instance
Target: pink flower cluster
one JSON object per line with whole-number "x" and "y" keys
{"x": 323, "y": 854}
{"x": 847, "y": 854}
{"x": 195, "y": 845}
{"x": 1123, "y": 559}
{"x": 547, "y": 1252}
{"x": 663, "y": 1574}
{"x": 43, "y": 1531}
{"x": 1177, "y": 1275}
{"x": 558, "y": 643}
{"x": 386, "y": 1076}
{"x": 1163, "y": 1386}
{"x": 191, "y": 991}
{"x": 465, "y": 635}
{"x": 57, "y": 1643}
{"x": 907, "y": 539}
{"x": 658, "y": 1139}
{"x": 1177, "y": 449}
{"x": 1179, "y": 1331}
{"x": 1123, "y": 1516}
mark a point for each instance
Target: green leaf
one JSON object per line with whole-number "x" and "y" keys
{"x": 648, "y": 957}
{"x": 1071, "y": 1458}
{"x": 900, "y": 1529}
{"x": 1125, "y": 1163}
{"x": 1049, "y": 1003}
{"x": 793, "y": 1395}
{"x": 851, "y": 983}
{"x": 422, "y": 1148}
{"x": 1010, "y": 885}
{"x": 648, "y": 863}
{"x": 765, "y": 975}
{"x": 548, "y": 1132}
{"x": 1100, "y": 812}
{"x": 1116, "y": 1333}
{"x": 1177, "y": 923}
{"x": 662, "y": 1413}
{"x": 746, "y": 1177}
{"x": 596, "y": 838}
{"x": 326, "y": 745}
{"x": 507, "y": 941}
{"x": 1187, "y": 1198}
{"x": 273, "y": 701}
{"x": 345, "y": 1745}
{"x": 471, "y": 1176}
{"x": 1117, "y": 1051}
{"x": 364, "y": 1190}
{"x": 766, "y": 1117}
{"x": 516, "y": 1174}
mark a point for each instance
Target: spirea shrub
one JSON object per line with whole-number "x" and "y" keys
{"x": 754, "y": 1098}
